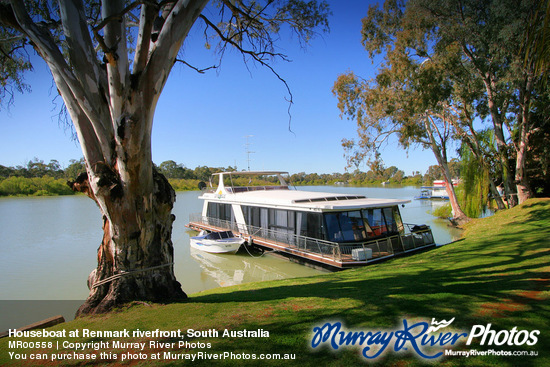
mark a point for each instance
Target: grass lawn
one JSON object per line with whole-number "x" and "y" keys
{"x": 498, "y": 274}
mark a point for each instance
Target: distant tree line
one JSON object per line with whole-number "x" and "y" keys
{"x": 379, "y": 175}
{"x": 173, "y": 170}
{"x": 177, "y": 173}
{"x": 40, "y": 178}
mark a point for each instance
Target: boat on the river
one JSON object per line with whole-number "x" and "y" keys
{"x": 223, "y": 242}
{"x": 437, "y": 191}
{"x": 328, "y": 229}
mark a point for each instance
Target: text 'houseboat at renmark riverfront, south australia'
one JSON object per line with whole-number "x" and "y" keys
{"x": 337, "y": 230}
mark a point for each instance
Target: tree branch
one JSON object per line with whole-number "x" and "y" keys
{"x": 118, "y": 73}
{"x": 200, "y": 71}
{"x": 258, "y": 57}
{"x": 174, "y": 30}
{"x": 61, "y": 72}
{"x": 82, "y": 55}
{"x": 141, "y": 56}
{"x": 118, "y": 16}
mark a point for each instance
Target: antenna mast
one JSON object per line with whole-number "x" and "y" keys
{"x": 248, "y": 152}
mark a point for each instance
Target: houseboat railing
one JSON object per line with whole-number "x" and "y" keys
{"x": 237, "y": 189}
{"x": 414, "y": 237}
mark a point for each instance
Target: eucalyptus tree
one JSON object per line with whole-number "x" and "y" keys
{"x": 410, "y": 97}
{"x": 386, "y": 107}
{"x": 537, "y": 56}
{"x": 110, "y": 61}
{"x": 474, "y": 43}
{"x": 488, "y": 36}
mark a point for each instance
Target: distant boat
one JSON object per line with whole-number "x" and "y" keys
{"x": 437, "y": 191}
{"x": 217, "y": 242}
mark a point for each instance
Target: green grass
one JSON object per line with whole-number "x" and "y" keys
{"x": 498, "y": 274}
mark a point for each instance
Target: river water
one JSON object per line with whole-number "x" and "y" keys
{"x": 48, "y": 246}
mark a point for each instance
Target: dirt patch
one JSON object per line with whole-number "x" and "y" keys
{"x": 500, "y": 309}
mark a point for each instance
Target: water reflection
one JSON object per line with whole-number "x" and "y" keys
{"x": 239, "y": 268}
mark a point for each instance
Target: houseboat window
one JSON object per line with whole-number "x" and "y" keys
{"x": 333, "y": 227}
{"x": 288, "y": 221}
{"x": 398, "y": 220}
{"x": 282, "y": 220}
{"x": 376, "y": 221}
{"x": 252, "y": 215}
{"x": 382, "y": 221}
{"x": 346, "y": 226}
{"x": 219, "y": 211}
{"x": 391, "y": 225}
{"x": 358, "y": 225}
{"x": 309, "y": 224}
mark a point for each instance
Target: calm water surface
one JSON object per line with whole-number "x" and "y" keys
{"x": 48, "y": 245}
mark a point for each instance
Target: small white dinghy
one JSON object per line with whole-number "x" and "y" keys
{"x": 217, "y": 242}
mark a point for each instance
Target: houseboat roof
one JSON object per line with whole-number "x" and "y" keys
{"x": 251, "y": 173}
{"x": 302, "y": 199}
{"x": 276, "y": 196}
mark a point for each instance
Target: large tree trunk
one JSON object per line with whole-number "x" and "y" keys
{"x": 521, "y": 179}
{"x": 112, "y": 110}
{"x": 502, "y": 147}
{"x": 135, "y": 258}
{"x": 459, "y": 217}
{"x": 522, "y": 182}
{"x": 136, "y": 255}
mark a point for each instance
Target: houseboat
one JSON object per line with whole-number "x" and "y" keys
{"x": 335, "y": 230}
{"x": 437, "y": 191}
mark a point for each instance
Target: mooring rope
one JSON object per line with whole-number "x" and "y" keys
{"x": 263, "y": 252}
{"x": 127, "y": 273}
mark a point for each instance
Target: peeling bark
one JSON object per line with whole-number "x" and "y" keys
{"x": 136, "y": 237}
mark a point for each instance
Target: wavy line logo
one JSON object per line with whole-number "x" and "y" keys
{"x": 439, "y": 325}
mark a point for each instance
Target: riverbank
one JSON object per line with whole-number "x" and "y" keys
{"x": 498, "y": 274}
{"x": 48, "y": 186}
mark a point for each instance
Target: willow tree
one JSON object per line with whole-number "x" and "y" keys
{"x": 110, "y": 61}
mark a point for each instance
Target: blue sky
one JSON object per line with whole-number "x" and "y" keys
{"x": 203, "y": 119}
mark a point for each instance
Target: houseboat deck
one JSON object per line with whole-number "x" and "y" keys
{"x": 334, "y": 254}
